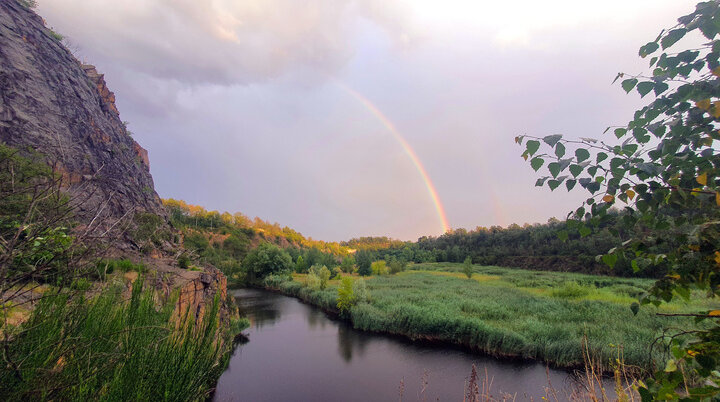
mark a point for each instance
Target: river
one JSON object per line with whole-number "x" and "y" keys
{"x": 297, "y": 353}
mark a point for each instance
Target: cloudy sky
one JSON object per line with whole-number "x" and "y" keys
{"x": 285, "y": 109}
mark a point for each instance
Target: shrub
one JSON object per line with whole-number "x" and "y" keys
{"x": 183, "y": 261}
{"x": 312, "y": 281}
{"x": 397, "y": 266}
{"x": 322, "y": 273}
{"x": 379, "y": 268}
{"x": 467, "y": 267}
{"x": 346, "y": 297}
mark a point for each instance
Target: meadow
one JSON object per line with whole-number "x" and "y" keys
{"x": 512, "y": 312}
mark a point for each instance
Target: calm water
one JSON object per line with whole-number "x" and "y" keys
{"x": 296, "y": 353}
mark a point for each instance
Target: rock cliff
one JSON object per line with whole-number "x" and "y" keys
{"x": 51, "y": 103}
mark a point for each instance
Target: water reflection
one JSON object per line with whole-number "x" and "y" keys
{"x": 316, "y": 318}
{"x": 296, "y": 352}
{"x": 350, "y": 342}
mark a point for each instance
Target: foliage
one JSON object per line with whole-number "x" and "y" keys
{"x": 312, "y": 281}
{"x": 363, "y": 259}
{"x": 83, "y": 348}
{"x": 184, "y": 215}
{"x": 105, "y": 267}
{"x": 300, "y": 266}
{"x": 396, "y": 265}
{"x": 322, "y": 273}
{"x": 379, "y": 268}
{"x": 266, "y": 259}
{"x": 35, "y": 223}
{"x": 665, "y": 170}
{"x": 151, "y": 231}
{"x": 347, "y": 263}
{"x": 467, "y": 267}
{"x": 346, "y": 295}
{"x": 362, "y": 295}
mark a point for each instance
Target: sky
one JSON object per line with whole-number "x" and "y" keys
{"x": 347, "y": 118}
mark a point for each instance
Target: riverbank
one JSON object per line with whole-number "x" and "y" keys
{"x": 504, "y": 312}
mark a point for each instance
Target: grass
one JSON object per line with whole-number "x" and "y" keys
{"x": 107, "y": 348}
{"x": 512, "y": 312}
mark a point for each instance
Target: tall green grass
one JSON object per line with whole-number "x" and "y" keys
{"x": 106, "y": 348}
{"x": 509, "y": 312}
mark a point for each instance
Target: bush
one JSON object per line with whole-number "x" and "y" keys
{"x": 379, "y": 268}
{"x": 346, "y": 296}
{"x": 397, "y": 266}
{"x": 183, "y": 261}
{"x": 467, "y": 267}
{"x": 322, "y": 273}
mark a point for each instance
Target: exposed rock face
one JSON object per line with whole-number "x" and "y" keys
{"x": 197, "y": 295}
{"x": 51, "y": 103}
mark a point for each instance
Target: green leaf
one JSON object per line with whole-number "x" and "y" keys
{"x": 563, "y": 235}
{"x": 559, "y": 150}
{"x": 648, "y": 48}
{"x": 576, "y": 170}
{"x": 554, "y": 168}
{"x": 635, "y": 307}
{"x": 670, "y": 366}
{"x": 536, "y": 163}
{"x": 619, "y": 132}
{"x": 601, "y": 156}
{"x": 532, "y": 146}
{"x": 629, "y": 84}
{"x": 585, "y": 231}
{"x": 570, "y": 184}
{"x": 552, "y": 139}
{"x": 581, "y": 154}
{"x": 645, "y": 87}
{"x": 672, "y": 37}
{"x": 660, "y": 87}
{"x": 540, "y": 182}
{"x": 553, "y": 184}
{"x": 610, "y": 260}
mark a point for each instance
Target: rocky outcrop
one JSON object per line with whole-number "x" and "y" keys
{"x": 198, "y": 293}
{"x": 51, "y": 103}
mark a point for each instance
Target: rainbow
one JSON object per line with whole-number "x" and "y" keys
{"x": 408, "y": 150}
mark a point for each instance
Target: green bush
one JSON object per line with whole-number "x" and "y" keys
{"x": 379, "y": 268}
{"x": 346, "y": 297}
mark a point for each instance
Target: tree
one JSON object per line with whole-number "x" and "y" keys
{"x": 300, "y": 266}
{"x": 663, "y": 170}
{"x": 266, "y": 259}
{"x": 347, "y": 264}
{"x": 467, "y": 267}
{"x": 346, "y": 296}
{"x": 363, "y": 261}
